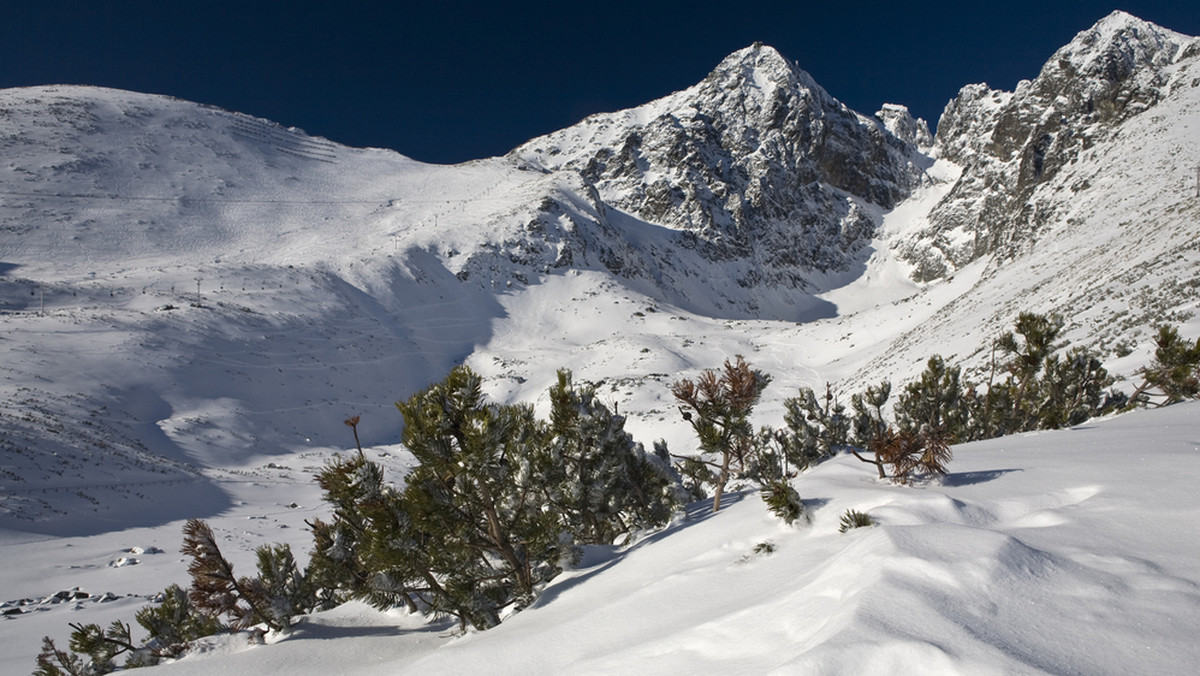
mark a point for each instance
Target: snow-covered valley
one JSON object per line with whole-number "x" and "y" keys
{"x": 193, "y": 301}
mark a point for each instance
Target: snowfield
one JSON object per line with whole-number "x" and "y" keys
{"x": 1065, "y": 552}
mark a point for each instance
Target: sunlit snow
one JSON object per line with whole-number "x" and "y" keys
{"x": 192, "y": 301}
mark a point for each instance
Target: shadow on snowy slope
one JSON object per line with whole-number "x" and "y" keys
{"x": 596, "y": 559}
{"x": 972, "y": 478}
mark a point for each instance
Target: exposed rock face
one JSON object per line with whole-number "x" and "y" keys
{"x": 902, "y": 125}
{"x": 1010, "y": 143}
{"x": 757, "y": 161}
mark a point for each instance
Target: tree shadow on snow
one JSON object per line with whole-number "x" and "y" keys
{"x": 972, "y": 478}
{"x": 313, "y": 627}
{"x": 812, "y": 504}
{"x": 596, "y": 559}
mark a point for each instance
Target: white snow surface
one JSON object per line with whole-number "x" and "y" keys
{"x": 192, "y": 301}
{"x": 1057, "y": 552}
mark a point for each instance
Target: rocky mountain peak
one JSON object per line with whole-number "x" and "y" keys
{"x": 897, "y": 120}
{"x": 1112, "y": 70}
{"x": 1107, "y": 73}
{"x": 1010, "y": 144}
{"x": 1121, "y": 35}
{"x": 756, "y": 161}
{"x": 760, "y": 67}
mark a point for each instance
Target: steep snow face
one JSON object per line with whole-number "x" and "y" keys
{"x": 757, "y": 161}
{"x": 1013, "y": 146}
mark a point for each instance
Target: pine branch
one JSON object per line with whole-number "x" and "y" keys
{"x": 215, "y": 588}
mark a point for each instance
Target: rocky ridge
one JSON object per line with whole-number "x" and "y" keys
{"x": 1012, "y": 145}
{"x": 756, "y": 162}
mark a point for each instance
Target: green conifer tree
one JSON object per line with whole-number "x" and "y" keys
{"x": 933, "y": 404}
{"x": 1072, "y": 390}
{"x": 476, "y": 491}
{"x": 718, "y": 406}
{"x": 101, "y": 646}
{"x": 216, "y": 591}
{"x": 868, "y": 421}
{"x": 600, "y": 480}
{"x": 1174, "y": 375}
{"x": 53, "y": 661}
{"x": 1027, "y": 357}
{"x": 174, "y": 623}
{"x": 817, "y": 428}
{"x": 370, "y": 550}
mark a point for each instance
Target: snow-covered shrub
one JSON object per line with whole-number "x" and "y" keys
{"x": 855, "y": 519}
{"x": 933, "y": 404}
{"x": 247, "y": 602}
{"x": 817, "y": 429}
{"x": 494, "y": 506}
{"x": 783, "y": 501}
{"x": 282, "y": 591}
{"x": 1040, "y": 389}
{"x": 602, "y": 483}
{"x": 477, "y": 492}
{"x": 911, "y": 453}
{"x": 374, "y": 550}
{"x": 100, "y": 646}
{"x": 1072, "y": 390}
{"x": 174, "y": 623}
{"x": 1174, "y": 375}
{"x": 53, "y": 661}
{"x": 868, "y": 420}
{"x": 1027, "y": 356}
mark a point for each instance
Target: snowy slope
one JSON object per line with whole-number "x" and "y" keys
{"x": 193, "y": 300}
{"x": 185, "y": 287}
{"x": 1040, "y": 554}
{"x": 1078, "y": 193}
{"x": 1056, "y": 552}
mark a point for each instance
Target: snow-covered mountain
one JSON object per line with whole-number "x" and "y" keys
{"x": 193, "y": 300}
{"x": 212, "y": 286}
{"x": 241, "y": 285}
{"x": 757, "y": 166}
{"x": 1075, "y": 194}
{"x": 1028, "y": 155}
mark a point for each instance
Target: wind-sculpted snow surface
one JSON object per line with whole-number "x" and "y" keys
{"x": 1046, "y": 553}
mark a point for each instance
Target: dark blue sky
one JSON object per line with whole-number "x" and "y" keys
{"x": 448, "y": 81}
